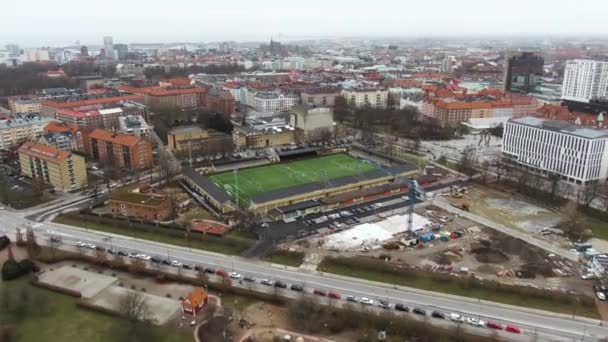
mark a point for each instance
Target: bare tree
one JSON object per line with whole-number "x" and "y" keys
{"x": 571, "y": 222}
{"x": 554, "y": 179}
{"x": 485, "y": 171}
{"x": 587, "y": 193}
{"x": 166, "y": 167}
{"x": 134, "y": 307}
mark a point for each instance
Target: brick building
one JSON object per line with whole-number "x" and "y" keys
{"x": 175, "y": 96}
{"x": 219, "y": 101}
{"x": 121, "y": 150}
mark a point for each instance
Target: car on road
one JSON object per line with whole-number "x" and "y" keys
{"x": 334, "y": 295}
{"x": 588, "y": 276}
{"x": 221, "y": 273}
{"x": 122, "y": 253}
{"x": 266, "y": 282}
{"x": 210, "y": 270}
{"x": 166, "y": 262}
{"x": 456, "y": 317}
{"x": 112, "y": 251}
{"x": 296, "y": 287}
{"x": 475, "y": 322}
{"x": 405, "y": 198}
{"x": 90, "y": 246}
{"x": 55, "y": 239}
{"x": 600, "y": 295}
{"x": 352, "y": 299}
{"x": 401, "y": 307}
{"x": 513, "y": 329}
{"x": 319, "y": 292}
{"x": 494, "y": 325}
{"x": 419, "y": 311}
{"x": 155, "y": 260}
{"x": 384, "y": 304}
{"x": 280, "y": 284}
{"x": 198, "y": 268}
{"x": 366, "y": 301}
{"x": 80, "y": 244}
{"x": 176, "y": 263}
{"x": 143, "y": 257}
{"x": 132, "y": 255}
{"x": 249, "y": 279}
{"x": 187, "y": 267}
{"x": 438, "y": 314}
{"x": 234, "y": 275}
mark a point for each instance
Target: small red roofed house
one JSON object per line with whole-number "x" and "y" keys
{"x": 195, "y": 302}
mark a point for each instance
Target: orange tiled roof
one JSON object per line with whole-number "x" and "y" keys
{"x": 115, "y": 138}
{"x": 59, "y": 127}
{"x": 197, "y": 296}
{"x": 44, "y": 152}
{"x": 60, "y": 104}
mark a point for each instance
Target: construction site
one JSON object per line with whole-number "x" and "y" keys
{"x": 439, "y": 240}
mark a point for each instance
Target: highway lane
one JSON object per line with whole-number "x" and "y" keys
{"x": 545, "y": 323}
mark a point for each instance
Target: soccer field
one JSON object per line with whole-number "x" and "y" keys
{"x": 262, "y": 179}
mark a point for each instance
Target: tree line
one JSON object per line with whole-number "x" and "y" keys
{"x": 162, "y": 72}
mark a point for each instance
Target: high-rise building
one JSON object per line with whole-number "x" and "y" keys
{"x": 523, "y": 73}
{"x": 121, "y": 51}
{"x": 585, "y": 80}
{"x": 108, "y": 47}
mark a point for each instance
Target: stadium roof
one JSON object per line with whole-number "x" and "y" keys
{"x": 206, "y": 184}
{"x": 340, "y": 181}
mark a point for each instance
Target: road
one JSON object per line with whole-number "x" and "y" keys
{"x": 549, "y": 326}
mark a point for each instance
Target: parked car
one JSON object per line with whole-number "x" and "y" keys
{"x": 221, "y": 273}
{"x": 366, "y": 301}
{"x": 155, "y": 260}
{"x": 112, "y": 251}
{"x": 80, "y": 244}
{"x": 176, "y": 263}
{"x": 210, "y": 270}
{"x": 165, "y": 262}
{"x": 296, "y": 287}
{"x": 494, "y": 325}
{"x": 266, "y": 282}
{"x": 456, "y": 317}
{"x": 419, "y": 311}
{"x": 187, "y": 267}
{"x": 384, "y": 304}
{"x": 234, "y": 275}
{"x": 438, "y": 314}
{"x": 352, "y": 299}
{"x": 475, "y": 322}
{"x": 513, "y": 329}
{"x": 249, "y": 279}
{"x": 319, "y": 292}
{"x": 198, "y": 268}
{"x": 121, "y": 253}
{"x": 588, "y": 276}
{"x": 334, "y": 295}
{"x": 280, "y": 284}
{"x": 401, "y": 307}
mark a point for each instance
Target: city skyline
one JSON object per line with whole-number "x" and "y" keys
{"x": 191, "y": 21}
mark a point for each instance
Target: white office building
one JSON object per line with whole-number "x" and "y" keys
{"x": 585, "y": 80}
{"x": 274, "y": 101}
{"x": 579, "y": 155}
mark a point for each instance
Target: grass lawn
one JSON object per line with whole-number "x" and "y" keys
{"x": 599, "y": 228}
{"x": 64, "y": 321}
{"x": 262, "y": 179}
{"x": 427, "y": 283}
{"x": 284, "y": 257}
{"x": 232, "y": 243}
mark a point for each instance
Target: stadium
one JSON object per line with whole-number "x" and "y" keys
{"x": 295, "y": 188}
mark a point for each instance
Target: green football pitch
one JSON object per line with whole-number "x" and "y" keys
{"x": 262, "y": 179}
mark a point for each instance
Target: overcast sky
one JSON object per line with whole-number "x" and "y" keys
{"x": 62, "y": 22}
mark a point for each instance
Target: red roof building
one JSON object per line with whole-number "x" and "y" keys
{"x": 195, "y": 302}
{"x": 121, "y": 150}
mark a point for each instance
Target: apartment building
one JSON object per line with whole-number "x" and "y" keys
{"x": 60, "y": 130}
{"x": 83, "y": 102}
{"x": 585, "y": 80}
{"x": 121, "y": 150}
{"x": 25, "y": 105}
{"x": 134, "y": 124}
{"x": 61, "y": 169}
{"x": 219, "y": 101}
{"x": 311, "y": 118}
{"x": 321, "y": 96}
{"x": 272, "y": 101}
{"x": 361, "y": 97}
{"x": 19, "y": 128}
{"x": 174, "y": 96}
{"x": 579, "y": 155}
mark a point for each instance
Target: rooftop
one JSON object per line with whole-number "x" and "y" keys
{"x": 115, "y": 138}
{"x": 24, "y": 120}
{"x": 44, "y": 152}
{"x": 186, "y": 130}
{"x": 562, "y": 127}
